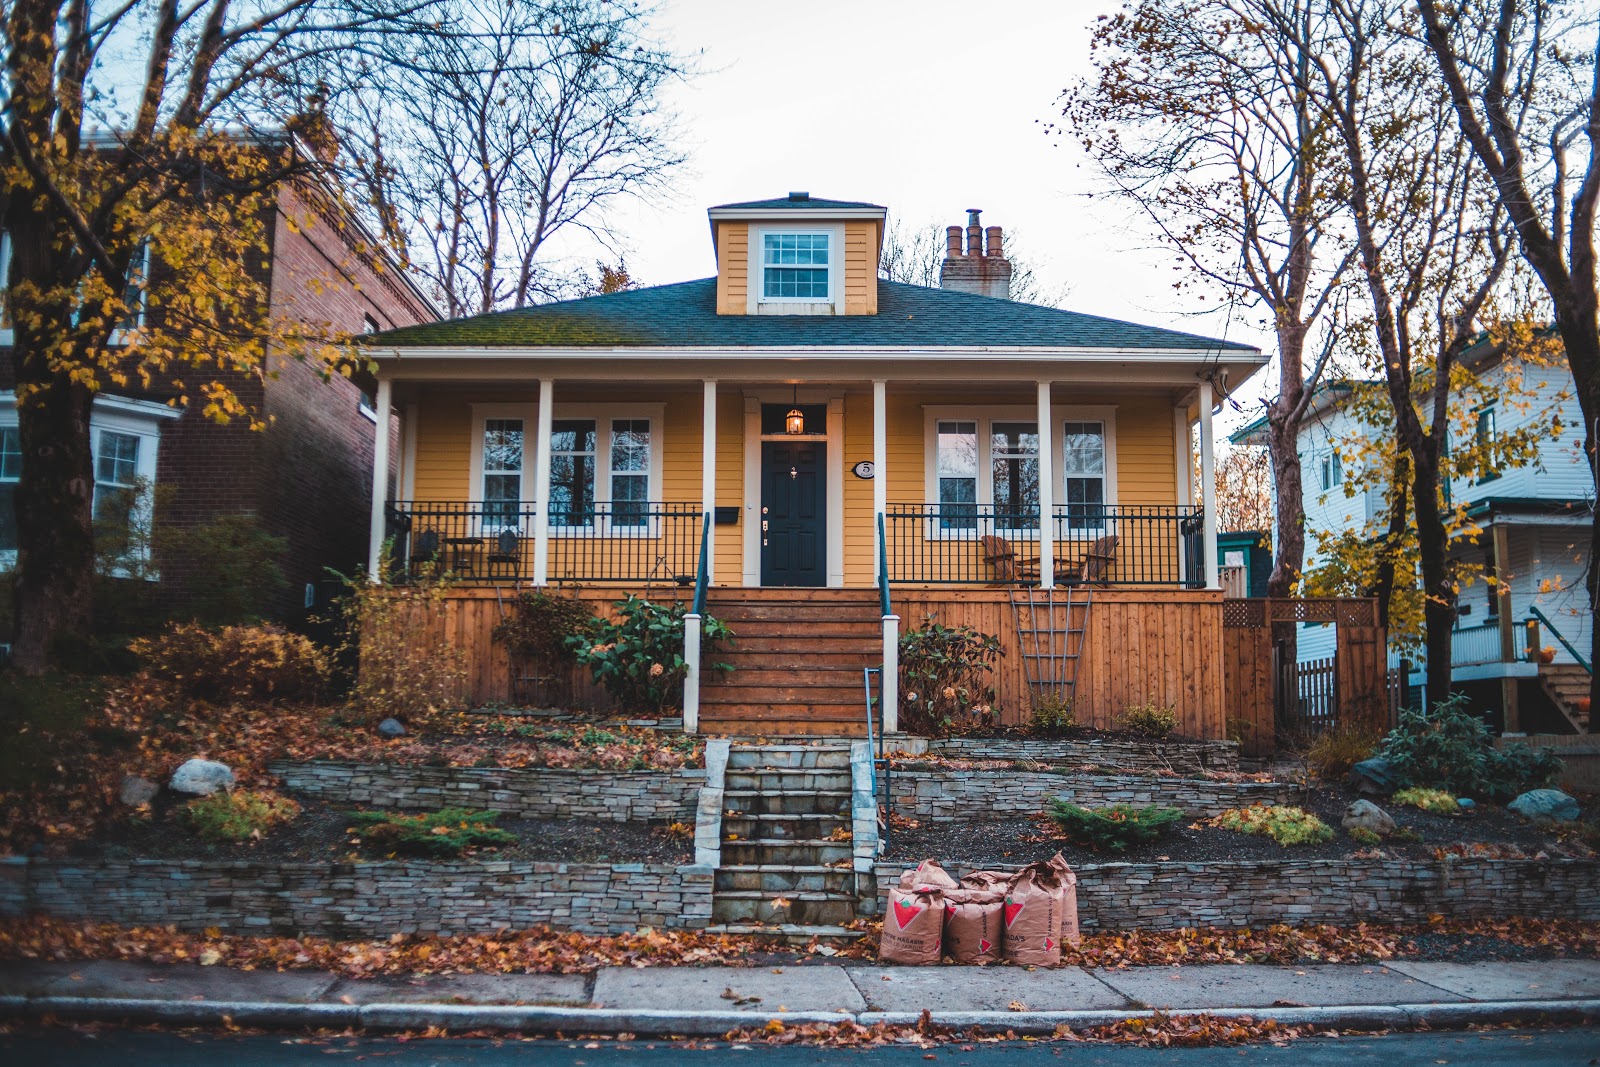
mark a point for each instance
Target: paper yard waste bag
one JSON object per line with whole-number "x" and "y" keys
{"x": 927, "y": 875}
{"x": 1036, "y": 917}
{"x": 913, "y": 926}
{"x": 974, "y": 924}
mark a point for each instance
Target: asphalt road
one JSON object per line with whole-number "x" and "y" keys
{"x": 123, "y": 1048}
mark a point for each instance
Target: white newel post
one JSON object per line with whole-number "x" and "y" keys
{"x": 541, "y": 482}
{"x": 1183, "y": 460}
{"x": 1047, "y": 495}
{"x": 380, "y": 480}
{"x": 708, "y": 473}
{"x": 890, "y": 689}
{"x": 691, "y": 679}
{"x": 1208, "y": 489}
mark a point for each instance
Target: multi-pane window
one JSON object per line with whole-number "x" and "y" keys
{"x": 1486, "y": 439}
{"x": 1083, "y": 473}
{"x": 572, "y": 463}
{"x": 630, "y": 471}
{"x": 116, "y": 490}
{"x": 10, "y": 471}
{"x": 5, "y": 280}
{"x": 1014, "y": 467}
{"x": 502, "y": 469}
{"x": 794, "y": 266}
{"x": 1332, "y": 471}
{"x": 958, "y": 475}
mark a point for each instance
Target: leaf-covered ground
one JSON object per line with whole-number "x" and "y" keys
{"x": 542, "y": 950}
{"x": 142, "y": 727}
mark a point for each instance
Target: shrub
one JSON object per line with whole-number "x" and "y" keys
{"x": 447, "y": 833}
{"x": 1052, "y": 717}
{"x": 236, "y": 663}
{"x": 1112, "y": 828}
{"x": 1285, "y": 825}
{"x": 1332, "y": 754}
{"x": 239, "y": 815}
{"x": 1361, "y": 835}
{"x": 943, "y": 675}
{"x": 539, "y": 625}
{"x": 1449, "y": 748}
{"x": 231, "y": 567}
{"x": 638, "y": 657}
{"x": 1148, "y": 720}
{"x": 1436, "y": 801}
{"x": 409, "y": 669}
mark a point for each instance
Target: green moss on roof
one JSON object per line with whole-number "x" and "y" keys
{"x": 684, "y": 315}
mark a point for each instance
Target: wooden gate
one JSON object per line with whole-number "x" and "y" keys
{"x": 1258, "y": 696}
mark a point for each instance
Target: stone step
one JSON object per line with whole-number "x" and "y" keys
{"x": 742, "y": 757}
{"x": 789, "y": 779}
{"x": 797, "y": 934}
{"x": 773, "y": 826}
{"x": 790, "y": 878}
{"x": 809, "y": 851}
{"x": 808, "y": 802}
{"x": 809, "y": 909}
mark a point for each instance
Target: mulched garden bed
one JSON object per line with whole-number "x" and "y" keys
{"x": 1488, "y": 830}
{"x": 318, "y": 834}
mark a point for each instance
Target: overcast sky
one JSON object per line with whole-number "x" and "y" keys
{"x": 928, "y": 107}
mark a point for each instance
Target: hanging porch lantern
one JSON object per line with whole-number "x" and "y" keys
{"x": 795, "y": 421}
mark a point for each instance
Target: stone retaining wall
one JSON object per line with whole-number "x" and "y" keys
{"x": 1182, "y": 757}
{"x": 963, "y": 796}
{"x": 530, "y": 793}
{"x": 359, "y": 900}
{"x": 1168, "y": 896}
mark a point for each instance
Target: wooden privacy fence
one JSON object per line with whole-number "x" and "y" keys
{"x": 1269, "y": 693}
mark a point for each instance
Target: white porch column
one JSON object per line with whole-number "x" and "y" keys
{"x": 1183, "y": 465}
{"x": 691, "y": 678}
{"x": 880, "y": 457}
{"x": 1208, "y": 489}
{"x": 1047, "y": 496}
{"x": 541, "y": 482}
{"x": 708, "y": 472}
{"x": 380, "y": 480}
{"x": 889, "y": 690}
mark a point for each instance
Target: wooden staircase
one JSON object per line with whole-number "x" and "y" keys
{"x": 1565, "y": 683}
{"x": 797, "y": 656}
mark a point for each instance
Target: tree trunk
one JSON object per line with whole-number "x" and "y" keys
{"x": 1283, "y": 447}
{"x": 1383, "y": 584}
{"x": 1438, "y": 589}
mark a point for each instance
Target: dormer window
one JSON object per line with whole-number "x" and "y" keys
{"x": 795, "y": 267}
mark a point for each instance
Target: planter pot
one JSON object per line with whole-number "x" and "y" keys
{"x": 1547, "y": 655}
{"x": 1581, "y": 705}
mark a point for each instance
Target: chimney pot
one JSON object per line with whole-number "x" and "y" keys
{"x": 952, "y": 242}
{"x": 974, "y": 232}
{"x": 993, "y": 244}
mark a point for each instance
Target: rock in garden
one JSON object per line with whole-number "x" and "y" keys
{"x": 1466, "y": 803}
{"x": 201, "y": 778}
{"x": 1373, "y": 777}
{"x": 391, "y": 728}
{"x": 1550, "y": 804}
{"x": 1365, "y": 815}
{"x": 136, "y": 791}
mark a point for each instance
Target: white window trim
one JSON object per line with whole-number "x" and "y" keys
{"x": 759, "y": 304}
{"x": 984, "y": 415}
{"x": 7, "y": 337}
{"x": 602, "y": 414}
{"x": 481, "y": 414}
{"x": 140, "y": 418}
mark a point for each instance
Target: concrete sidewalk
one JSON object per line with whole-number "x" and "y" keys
{"x": 712, "y": 1000}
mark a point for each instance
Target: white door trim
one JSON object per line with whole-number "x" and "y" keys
{"x": 833, "y": 486}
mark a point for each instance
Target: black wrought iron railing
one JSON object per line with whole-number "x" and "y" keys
{"x": 1116, "y": 544}
{"x": 469, "y": 540}
{"x": 643, "y": 541}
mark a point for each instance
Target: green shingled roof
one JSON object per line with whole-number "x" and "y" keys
{"x": 685, "y": 316}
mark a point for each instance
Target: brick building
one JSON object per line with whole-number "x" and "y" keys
{"x": 307, "y": 477}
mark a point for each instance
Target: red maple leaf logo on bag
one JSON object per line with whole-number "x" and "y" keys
{"x": 1012, "y": 911}
{"x": 1049, "y": 943}
{"x": 904, "y": 913}
{"x": 984, "y": 946}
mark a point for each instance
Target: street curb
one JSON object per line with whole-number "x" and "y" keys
{"x": 535, "y": 1019}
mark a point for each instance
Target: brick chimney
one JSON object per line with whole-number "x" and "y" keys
{"x": 977, "y": 268}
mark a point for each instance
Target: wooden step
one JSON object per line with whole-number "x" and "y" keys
{"x": 805, "y": 675}
{"x": 716, "y": 595}
{"x": 814, "y": 644}
{"x": 797, "y": 691}
{"x": 797, "y": 612}
{"x": 787, "y": 724}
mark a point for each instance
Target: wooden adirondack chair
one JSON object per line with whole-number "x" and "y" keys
{"x": 1094, "y": 566}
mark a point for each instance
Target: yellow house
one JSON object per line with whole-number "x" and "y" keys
{"x": 799, "y": 443}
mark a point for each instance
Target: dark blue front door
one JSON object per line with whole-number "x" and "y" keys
{"x": 793, "y": 513}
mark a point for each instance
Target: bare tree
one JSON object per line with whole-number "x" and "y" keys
{"x": 1244, "y": 489}
{"x": 477, "y": 150}
{"x": 1524, "y": 86}
{"x": 1198, "y": 112}
{"x": 913, "y": 254}
{"x": 146, "y": 131}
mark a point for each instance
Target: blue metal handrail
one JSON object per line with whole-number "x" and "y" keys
{"x": 883, "y": 569}
{"x": 702, "y": 578}
{"x": 1582, "y": 661}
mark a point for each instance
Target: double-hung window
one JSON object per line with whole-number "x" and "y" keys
{"x": 502, "y": 471}
{"x": 630, "y": 472}
{"x": 1486, "y": 440}
{"x": 1083, "y": 473}
{"x": 10, "y": 472}
{"x": 583, "y": 452}
{"x": 988, "y": 474}
{"x": 572, "y": 464}
{"x": 116, "y": 496}
{"x": 1014, "y": 464}
{"x": 1332, "y": 472}
{"x": 958, "y": 474}
{"x": 794, "y": 266}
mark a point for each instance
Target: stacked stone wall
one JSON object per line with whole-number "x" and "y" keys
{"x": 963, "y": 796}
{"x": 529, "y": 793}
{"x": 1180, "y": 757}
